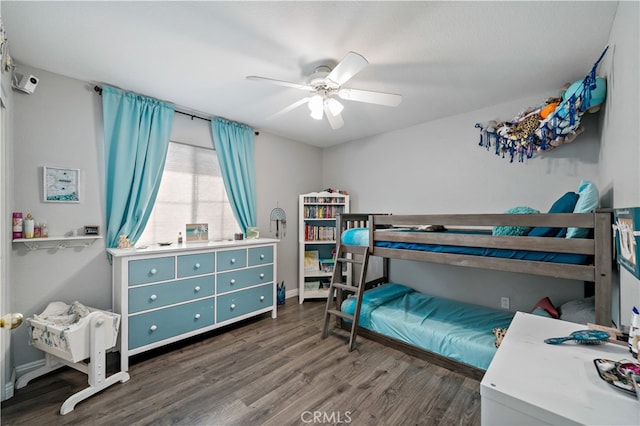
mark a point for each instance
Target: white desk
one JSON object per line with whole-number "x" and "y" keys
{"x": 530, "y": 382}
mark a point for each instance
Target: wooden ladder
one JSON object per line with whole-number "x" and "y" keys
{"x": 355, "y": 255}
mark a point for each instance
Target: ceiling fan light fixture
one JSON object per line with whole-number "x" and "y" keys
{"x": 316, "y": 107}
{"x": 335, "y": 107}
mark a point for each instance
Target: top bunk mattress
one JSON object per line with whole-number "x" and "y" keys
{"x": 457, "y": 330}
{"x": 360, "y": 236}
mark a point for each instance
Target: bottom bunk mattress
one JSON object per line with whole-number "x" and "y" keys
{"x": 456, "y": 330}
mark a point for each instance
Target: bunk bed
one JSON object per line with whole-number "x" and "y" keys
{"x": 467, "y": 240}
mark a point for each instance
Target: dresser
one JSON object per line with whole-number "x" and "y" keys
{"x": 532, "y": 383}
{"x": 165, "y": 294}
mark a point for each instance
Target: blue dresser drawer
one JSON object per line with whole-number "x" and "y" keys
{"x": 196, "y": 264}
{"x": 232, "y": 259}
{"x": 151, "y": 270}
{"x": 236, "y": 280}
{"x": 158, "y": 295}
{"x": 260, "y": 255}
{"x": 154, "y": 326}
{"x": 243, "y": 302}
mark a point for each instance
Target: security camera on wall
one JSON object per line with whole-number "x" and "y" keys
{"x": 25, "y": 83}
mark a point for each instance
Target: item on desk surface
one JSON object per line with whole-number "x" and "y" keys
{"x": 587, "y": 337}
{"x": 91, "y": 230}
{"x": 197, "y": 232}
{"x": 611, "y": 372}
{"x": 124, "y": 243}
{"x": 164, "y": 243}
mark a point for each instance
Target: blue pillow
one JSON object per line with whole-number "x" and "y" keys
{"x": 541, "y": 313}
{"x": 515, "y": 230}
{"x": 564, "y": 204}
{"x": 587, "y": 203}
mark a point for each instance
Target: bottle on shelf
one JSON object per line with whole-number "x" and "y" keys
{"x": 28, "y": 226}
{"x": 44, "y": 230}
{"x": 179, "y": 237}
{"x": 17, "y": 225}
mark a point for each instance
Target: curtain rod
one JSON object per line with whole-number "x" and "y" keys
{"x": 98, "y": 90}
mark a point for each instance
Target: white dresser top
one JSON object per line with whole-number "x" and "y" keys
{"x": 557, "y": 383}
{"x": 176, "y": 248}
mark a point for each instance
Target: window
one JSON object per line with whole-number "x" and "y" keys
{"x": 191, "y": 191}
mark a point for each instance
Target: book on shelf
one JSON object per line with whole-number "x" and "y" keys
{"x": 319, "y": 233}
{"x": 311, "y": 261}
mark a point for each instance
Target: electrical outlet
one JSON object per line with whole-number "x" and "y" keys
{"x": 504, "y": 302}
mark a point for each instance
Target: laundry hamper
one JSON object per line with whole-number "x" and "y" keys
{"x": 76, "y": 336}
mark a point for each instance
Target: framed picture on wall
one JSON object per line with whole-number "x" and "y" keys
{"x": 61, "y": 185}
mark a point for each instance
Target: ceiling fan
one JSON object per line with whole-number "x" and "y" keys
{"x": 325, "y": 84}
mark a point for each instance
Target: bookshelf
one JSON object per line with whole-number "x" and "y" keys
{"x": 317, "y": 241}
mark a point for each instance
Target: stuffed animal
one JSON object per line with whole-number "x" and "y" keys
{"x": 500, "y": 333}
{"x": 124, "y": 243}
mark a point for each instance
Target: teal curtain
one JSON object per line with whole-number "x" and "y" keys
{"x": 234, "y": 144}
{"x": 136, "y": 139}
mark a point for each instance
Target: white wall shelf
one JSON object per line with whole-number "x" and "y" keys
{"x": 58, "y": 242}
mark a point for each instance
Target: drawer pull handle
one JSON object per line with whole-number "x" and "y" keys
{"x": 197, "y": 316}
{"x": 153, "y": 271}
{"x": 261, "y": 298}
{"x": 153, "y": 297}
{"x": 233, "y": 261}
{"x": 262, "y": 257}
{"x": 233, "y": 281}
{"x": 197, "y": 289}
{"x": 153, "y": 327}
{"x": 196, "y": 266}
{"x": 261, "y": 275}
{"x": 233, "y": 306}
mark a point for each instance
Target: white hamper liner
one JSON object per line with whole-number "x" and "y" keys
{"x": 71, "y": 342}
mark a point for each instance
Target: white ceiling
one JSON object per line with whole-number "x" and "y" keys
{"x": 445, "y": 58}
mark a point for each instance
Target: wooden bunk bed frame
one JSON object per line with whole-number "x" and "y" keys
{"x": 598, "y": 245}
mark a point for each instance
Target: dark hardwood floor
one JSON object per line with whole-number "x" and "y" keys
{"x": 261, "y": 372}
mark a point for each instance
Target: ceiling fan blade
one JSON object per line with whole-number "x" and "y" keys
{"x": 291, "y": 107}
{"x": 379, "y": 98}
{"x": 281, "y": 83}
{"x": 335, "y": 121}
{"x": 349, "y": 66}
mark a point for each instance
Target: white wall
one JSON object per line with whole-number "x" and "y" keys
{"x": 61, "y": 125}
{"x": 58, "y": 125}
{"x": 620, "y": 150}
{"x": 285, "y": 169}
{"x": 438, "y": 167}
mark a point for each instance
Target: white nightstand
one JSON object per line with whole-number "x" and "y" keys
{"x": 530, "y": 382}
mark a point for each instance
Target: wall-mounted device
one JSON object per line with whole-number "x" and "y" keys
{"x": 26, "y": 83}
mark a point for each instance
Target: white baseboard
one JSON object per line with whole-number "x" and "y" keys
{"x": 25, "y": 368}
{"x": 291, "y": 293}
{"x": 9, "y": 387}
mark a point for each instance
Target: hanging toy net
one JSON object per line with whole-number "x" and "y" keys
{"x": 547, "y": 126}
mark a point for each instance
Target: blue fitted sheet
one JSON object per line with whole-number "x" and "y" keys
{"x": 457, "y": 330}
{"x": 360, "y": 236}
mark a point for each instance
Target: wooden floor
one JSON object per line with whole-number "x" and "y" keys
{"x": 263, "y": 372}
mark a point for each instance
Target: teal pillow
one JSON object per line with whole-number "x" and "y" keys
{"x": 541, "y": 313}
{"x": 564, "y": 204}
{"x": 515, "y": 230}
{"x": 587, "y": 203}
